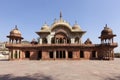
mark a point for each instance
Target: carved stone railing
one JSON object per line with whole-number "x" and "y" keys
{"x": 40, "y": 45}
{"x": 59, "y": 45}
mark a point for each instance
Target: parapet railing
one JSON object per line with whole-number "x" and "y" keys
{"x": 43, "y": 45}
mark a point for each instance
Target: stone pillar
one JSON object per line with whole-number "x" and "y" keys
{"x": 57, "y": 41}
{"x": 13, "y": 56}
{"x": 76, "y": 54}
{"x": 12, "y": 41}
{"x": 9, "y": 40}
{"x": 87, "y": 54}
{"x": 66, "y": 53}
{"x": 80, "y": 41}
{"x": 54, "y": 54}
{"x": 45, "y": 55}
{"x": 40, "y": 41}
{"x": 112, "y": 40}
{"x": 20, "y": 41}
{"x": 72, "y": 40}
{"x": 22, "y": 55}
{"x": 10, "y": 52}
{"x": 33, "y": 55}
{"x": 96, "y": 54}
{"x": 109, "y": 55}
{"x": 49, "y": 40}
{"x": 16, "y": 41}
{"x": 17, "y": 54}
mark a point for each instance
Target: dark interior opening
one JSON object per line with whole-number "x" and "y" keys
{"x": 81, "y": 54}
{"x": 70, "y": 54}
{"x": 27, "y": 54}
{"x": 60, "y": 54}
{"x": 51, "y": 54}
{"x": 39, "y": 55}
{"x": 64, "y": 54}
{"x": 57, "y": 54}
{"x": 93, "y": 54}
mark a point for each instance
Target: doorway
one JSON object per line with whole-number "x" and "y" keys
{"x": 94, "y": 54}
{"x": 39, "y": 55}
{"x": 51, "y": 54}
{"x": 70, "y": 54}
{"x": 81, "y": 54}
{"x": 27, "y": 54}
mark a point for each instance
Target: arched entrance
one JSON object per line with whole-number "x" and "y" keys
{"x": 60, "y": 38}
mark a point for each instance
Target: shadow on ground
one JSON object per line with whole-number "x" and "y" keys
{"x": 36, "y": 76}
{"x": 114, "y": 78}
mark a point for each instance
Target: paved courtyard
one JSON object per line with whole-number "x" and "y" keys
{"x": 60, "y": 70}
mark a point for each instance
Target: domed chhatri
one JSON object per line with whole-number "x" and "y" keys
{"x": 76, "y": 26}
{"x": 107, "y": 35}
{"x": 106, "y": 31}
{"x": 15, "y": 32}
{"x": 15, "y": 36}
{"x": 45, "y": 27}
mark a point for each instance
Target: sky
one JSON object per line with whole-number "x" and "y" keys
{"x": 30, "y": 16}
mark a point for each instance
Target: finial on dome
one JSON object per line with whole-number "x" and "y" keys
{"x": 75, "y": 22}
{"x": 45, "y": 22}
{"x": 106, "y": 25}
{"x": 16, "y": 27}
{"x": 60, "y": 14}
{"x": 55, "y": 19}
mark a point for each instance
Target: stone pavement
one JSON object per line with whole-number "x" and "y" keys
{"x": 60, "y": 70}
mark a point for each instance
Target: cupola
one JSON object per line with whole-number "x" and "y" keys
{"x": 45, "y": 27}
{"x": 76, "y": 26}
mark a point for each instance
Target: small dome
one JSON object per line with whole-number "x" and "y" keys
{"x": 76, "y": 27}
{"x": 45, "y": 27}
{"x": 15, "y": 32}
{"x": 106, "y": 31}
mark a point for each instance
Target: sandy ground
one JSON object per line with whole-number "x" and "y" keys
{"x": 60, "y": 70}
